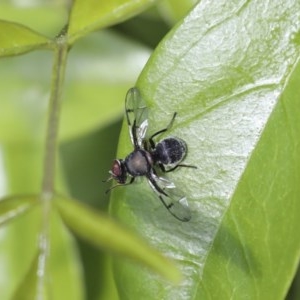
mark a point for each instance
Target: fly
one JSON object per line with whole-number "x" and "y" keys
{"x": 147, "y": 155}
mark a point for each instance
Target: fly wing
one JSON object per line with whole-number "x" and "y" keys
{"x": 176, "y": 204}
{"x": 171, "y": 198}
{"x": 137, "y": 116}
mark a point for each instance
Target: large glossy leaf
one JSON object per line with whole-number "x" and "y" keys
{"x": 87, "y": 16}
{"x": 229, "y": 70}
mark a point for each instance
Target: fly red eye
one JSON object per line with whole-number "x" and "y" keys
{"x": 116, "y": 169}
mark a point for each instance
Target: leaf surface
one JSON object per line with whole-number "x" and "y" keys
{"x": 11, "y": 207}
{"x": 18, "y": 39}
{"x": 47, "y": 19}
{"x": 87, "y": 16}
{"x": 229, "y": 71}
{"x": 20, "y": 165}
{"x": 52, "y": 275}
{"x": 103, "y": 232}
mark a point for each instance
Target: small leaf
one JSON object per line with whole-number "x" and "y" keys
{"x": 17, "y": 39}
{"x": 32, "y": 287}
{"x": 89, "y": 15}
{"x": 54, "y": 272}
{"x": 46, "y": 19}
{"x": 105, "y": 233}
{"x": 13, "y": 206}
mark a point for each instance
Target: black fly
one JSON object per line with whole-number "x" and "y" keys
{"x": 167, "y": 155}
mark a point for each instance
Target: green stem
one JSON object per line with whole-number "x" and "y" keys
{"x": 58, "y": 74}
{"x": 48, "y": 188}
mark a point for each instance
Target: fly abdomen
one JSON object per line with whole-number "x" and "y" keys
{"x": 169, "y": 151}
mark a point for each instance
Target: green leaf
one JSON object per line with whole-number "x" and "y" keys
{"x": 20, "y": 167}
{"x": 87, "y": 16}
{"x": 30, "y": 287}
{"x": 17, "y": 39}
{"x": 229, "y": 71}
{"x": 105, "y": 233}
{"x": 52, "y": 274}
{"x": 13, "y": 206}
{"x": 259, "y": 233}
{"x": 17, "y": 248}
{"x": 46, "y": 18}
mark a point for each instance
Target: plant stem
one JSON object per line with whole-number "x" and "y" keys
{"x": 58, "y": 73}
{"x": 48, "y": 189}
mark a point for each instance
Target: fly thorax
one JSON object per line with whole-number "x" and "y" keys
{"x": 138, "y": 163}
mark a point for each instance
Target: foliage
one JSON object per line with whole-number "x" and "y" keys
{"x": 230, "y": 70}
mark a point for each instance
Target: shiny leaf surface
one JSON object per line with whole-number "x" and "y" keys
{"x": 229, "y": 70}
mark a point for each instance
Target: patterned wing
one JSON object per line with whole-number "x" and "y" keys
{"x": 171, "y": 197}
{"x": 137, "y": 116}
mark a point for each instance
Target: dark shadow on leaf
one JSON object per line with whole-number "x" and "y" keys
{"x": 86, "y": 162}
